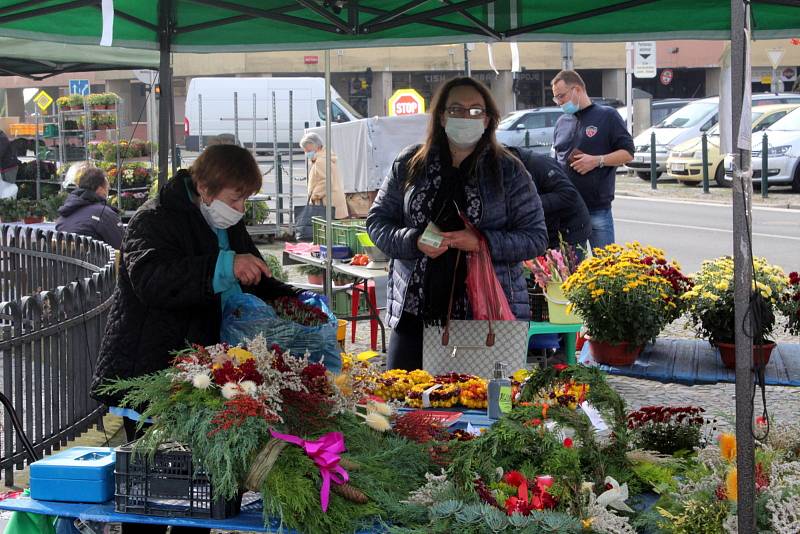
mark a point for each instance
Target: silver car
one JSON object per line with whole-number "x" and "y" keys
{"x": 529, "y": 127}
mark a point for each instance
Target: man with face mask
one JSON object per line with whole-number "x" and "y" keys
{"x": 590, "y": 142}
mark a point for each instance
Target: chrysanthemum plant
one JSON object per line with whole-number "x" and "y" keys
{"x": 710, "y": 301}
{"x": 627, "y": 293}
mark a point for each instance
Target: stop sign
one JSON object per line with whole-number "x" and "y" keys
{"x": 406, "y": 102}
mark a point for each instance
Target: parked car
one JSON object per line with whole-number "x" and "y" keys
{"x": 659, "y": 109}
{"x": 688, "y": 122}
{"x": 783, "y": 154}
{"x": 685, "y": 161}
{"x": 531, "y": 126}
{"x": 610, "y": 102}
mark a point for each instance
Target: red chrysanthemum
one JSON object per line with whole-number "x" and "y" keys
{"x": 514, "y": 478}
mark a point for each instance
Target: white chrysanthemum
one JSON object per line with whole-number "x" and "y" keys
{"x": 249, "y": 387}
{"x": 201, "y": 381}
{"x": 231, "y": 390}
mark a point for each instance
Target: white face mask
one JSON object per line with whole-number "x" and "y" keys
{"x": 220, "y": 215}
{"x": 464, "y": 133}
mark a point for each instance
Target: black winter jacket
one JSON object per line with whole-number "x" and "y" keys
{"x": 164, "y": 297}
{"x": 85, "y": 213}
{"x": 8, "y": 157}
{"x": 565, "y": 212}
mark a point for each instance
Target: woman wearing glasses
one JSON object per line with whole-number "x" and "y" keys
{"x": 460, "y": 170}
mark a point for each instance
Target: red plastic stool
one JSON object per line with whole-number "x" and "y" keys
{"x": 354, "y": 307}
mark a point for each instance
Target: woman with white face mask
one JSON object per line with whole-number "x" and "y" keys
{"x": 459, "y": 171}
{"x": 183, "y": 254}
{"x": 316, "y": 154}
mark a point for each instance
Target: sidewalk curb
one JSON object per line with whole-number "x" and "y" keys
{"x": 667, "y": 196}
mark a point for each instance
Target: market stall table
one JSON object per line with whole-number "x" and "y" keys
{"x": 362, "y": 275}
{"x": 569, "y": 331}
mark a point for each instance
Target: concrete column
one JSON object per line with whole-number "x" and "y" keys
{"x": 381, "y": 91}
{"x": 712, "y": 81}
{"x": 613, "y": 84}
{"x": 503, "y": 92}
{"x": 15, "y": 103}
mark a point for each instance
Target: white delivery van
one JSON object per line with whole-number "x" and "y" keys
{"x": 689, "y": 121}
{"x": 215, "y": 115}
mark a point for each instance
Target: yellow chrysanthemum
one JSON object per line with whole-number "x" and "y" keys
{"x": 241, "y": 355}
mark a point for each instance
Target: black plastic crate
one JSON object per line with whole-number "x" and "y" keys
{"x": 538, "y": 303}
{"x": 166, "y": 485}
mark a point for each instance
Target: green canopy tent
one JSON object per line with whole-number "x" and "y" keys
{"x": 40, "y": 60}
{"x": 239, "y": 25}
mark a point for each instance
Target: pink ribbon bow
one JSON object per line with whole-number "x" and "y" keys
{"x": 326, "y": 454}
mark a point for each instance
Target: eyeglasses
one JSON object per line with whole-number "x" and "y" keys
{"x": 559, "y": 98}
{"x": 474, "y": 112}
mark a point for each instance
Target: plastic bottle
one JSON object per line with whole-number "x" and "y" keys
{"x": 499, "y": 393}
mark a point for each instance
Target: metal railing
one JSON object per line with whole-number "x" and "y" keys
{"x": 55, "y": 291}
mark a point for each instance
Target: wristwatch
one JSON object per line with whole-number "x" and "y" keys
{"x": 602, "y": 162}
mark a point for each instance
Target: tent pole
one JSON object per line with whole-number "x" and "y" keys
{"x": 165, "y": 134}
{"x": 742, "y": 261}
{"x": 328, "y": 181}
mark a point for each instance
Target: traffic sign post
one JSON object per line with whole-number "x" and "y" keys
{"x": 666, "y": 76}
{"x": 43, "y": 100}
{"x": 775, "y": 57}
{"x": 80, "y": 87}
{"x": 406, "y": 102}
{"x": 644, "y": 59}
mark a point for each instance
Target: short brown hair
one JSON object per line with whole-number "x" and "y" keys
{"x": 91, "y": 179}
{"x": 222, "y": 166}
{"x": 569, "y": 77}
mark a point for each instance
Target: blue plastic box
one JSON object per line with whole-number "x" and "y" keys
{"x": 340, "y": 252}
{"x": 79, "y": 474}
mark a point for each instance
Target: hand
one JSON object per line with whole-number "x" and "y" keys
{"x": 465, "y": 240}
{"x": 249, "y": 269}
{"x": 315, "y": 199}
{"x": 432, "y": 252}
{"x": 584, "y": 163}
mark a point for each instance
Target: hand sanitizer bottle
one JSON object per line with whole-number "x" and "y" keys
{"x": 499, "y": 393}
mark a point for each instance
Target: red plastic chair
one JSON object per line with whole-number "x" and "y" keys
{"x": 354, "y": 307}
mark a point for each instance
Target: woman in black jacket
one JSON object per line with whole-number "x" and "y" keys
{"x": 184, "y": 252}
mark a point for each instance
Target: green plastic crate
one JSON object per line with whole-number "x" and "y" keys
{"x": 344, "y": 232}
{"x": 342, "y": 307}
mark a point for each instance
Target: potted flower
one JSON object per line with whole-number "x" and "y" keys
{"x": 711, "y": 308}
{"x": 9, "y": 210}
{"x": 75, "y": 102}
{"x": 33, "y": 212}
{"x": 625, "y": 295}
{"x": 790, "y": 304}
{"x": 63, "y": 103}
{"x": 315, "y": 274}
{"x": 96, "y": 101}
{"x": 550, "y": 271}
{"x": 109, "y": 100}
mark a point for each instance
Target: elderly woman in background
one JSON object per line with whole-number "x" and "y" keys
{"x": 315, "y": 151}
{"x": 460, "y": 170}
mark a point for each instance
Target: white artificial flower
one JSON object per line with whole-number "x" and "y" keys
{"x": 201, "y": 381}
{"x": 231, "y": 390}
{"x": 249, "y": 387}
{"x": 614, "y": 497}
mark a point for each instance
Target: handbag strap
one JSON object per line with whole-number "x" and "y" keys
{"x": 490, "y": 337}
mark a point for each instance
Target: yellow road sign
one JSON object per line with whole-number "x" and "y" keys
{"x": 43, "y": 100}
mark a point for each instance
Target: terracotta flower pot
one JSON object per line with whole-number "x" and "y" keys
{"x": 33, "y": 220}
{"x": 616, "y": 354}
{"x": 727, "y": 352}
{"x": 315, "y": 279}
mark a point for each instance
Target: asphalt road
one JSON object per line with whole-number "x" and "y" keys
{"x": 692, "y": 231}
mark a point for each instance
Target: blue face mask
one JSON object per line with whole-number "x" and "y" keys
{"x": 570, "y": 107}
{"x": 311, "y": 154}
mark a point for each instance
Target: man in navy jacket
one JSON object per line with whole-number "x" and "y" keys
{"x": 85, "y": 211}
{"x": 590, "y": 141}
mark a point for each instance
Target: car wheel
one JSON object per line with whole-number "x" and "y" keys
{"x": 719, "y": 176}
{"x": 796, "y": 180}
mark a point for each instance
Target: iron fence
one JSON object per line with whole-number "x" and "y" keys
{"x": 55, "y": 290}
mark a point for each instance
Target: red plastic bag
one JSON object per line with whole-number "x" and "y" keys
{"x": 486, "y": 295}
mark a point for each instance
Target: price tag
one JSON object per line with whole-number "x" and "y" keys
{"x": 505, "y": 399}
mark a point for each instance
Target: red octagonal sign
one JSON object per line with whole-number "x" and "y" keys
{"x": 406, "y": 102}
